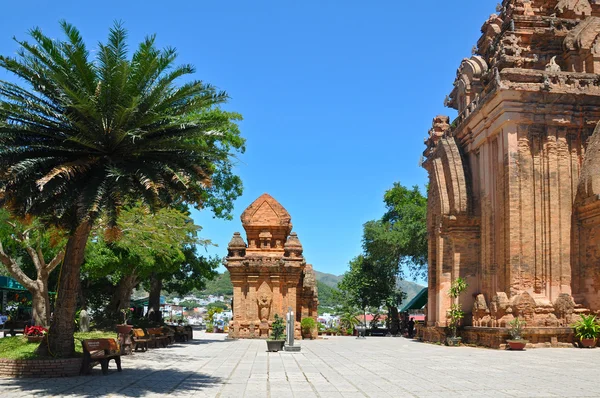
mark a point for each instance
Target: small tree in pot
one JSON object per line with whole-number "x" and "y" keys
{"x": 517, "y": 343}
{"x": 455, "y": 313}
{"x": 277, "y": 335}
{"x": 308, "y": 325}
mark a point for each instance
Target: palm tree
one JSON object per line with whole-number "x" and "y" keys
{"x": 348, "y": 320}
{"x": 82, "y": 137}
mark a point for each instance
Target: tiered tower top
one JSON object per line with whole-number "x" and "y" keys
{"x": 268, "y": 226}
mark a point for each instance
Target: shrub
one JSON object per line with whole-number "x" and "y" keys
{"x": 516, "y": 328}
{"x": 308, "y": 325}
{"x": 455, "y": 313}
{"x": 587, "y": 327}
{"x": 277, "y": 328}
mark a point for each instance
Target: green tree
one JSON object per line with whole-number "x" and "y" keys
{"x": 210, "y": 315}
{"x": 399, "y": 239}
{"x": 218, "y": 304}
{"x": 150, "y": 247}
{"x": 189, "y": 304}
{"x": 193, "y": 274}
{"x": 362, "y": 286}
{"x": 396, "y": 244}
{"x": 219, "y": 286}
{"x": 82, "y": 137}
{"x": 24, "y": 247}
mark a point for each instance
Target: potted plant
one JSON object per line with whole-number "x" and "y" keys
{"x": 321, "y": 328}
{"x": 587, "y": 330}
{"x": 516, "y": 342}
{"x": 277, "y": 335}
{"x": 308, "y": 326}
{"x": 455, "y": 313}
{"x": 124, "y": 328}
{"x": 35, "y": 334}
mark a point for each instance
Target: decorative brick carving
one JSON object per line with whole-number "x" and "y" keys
{"x": 514, "y": 180}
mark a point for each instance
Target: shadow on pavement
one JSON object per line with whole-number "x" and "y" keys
{"x": 131, "y": 382}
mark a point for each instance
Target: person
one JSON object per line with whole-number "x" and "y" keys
{"x": 411, "y": 327}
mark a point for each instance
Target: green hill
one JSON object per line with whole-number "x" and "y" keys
{"x": 328, "y": 279}
{"x": 220, "y": 286}
{"x": 410, "y": 288}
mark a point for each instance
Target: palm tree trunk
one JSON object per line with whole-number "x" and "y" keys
{"x": 60, "y": 336}
{"x": 154, "y": 299}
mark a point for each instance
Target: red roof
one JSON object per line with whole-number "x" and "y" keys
{"x": 370, "y": 317}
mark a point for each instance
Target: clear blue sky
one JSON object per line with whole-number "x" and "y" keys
{"x": 337, "y": 96}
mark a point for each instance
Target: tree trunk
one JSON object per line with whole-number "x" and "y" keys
{"x": 60, "y": 336}
{"x": 154, "y": 299}
{"x": 121, "y": 297}
{"x": 395, "y": 321}
{"x": 41, "y": 303}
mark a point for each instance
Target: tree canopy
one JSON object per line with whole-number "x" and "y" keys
{"x": 393, "y": 246}
{"x": 83, "y": 136}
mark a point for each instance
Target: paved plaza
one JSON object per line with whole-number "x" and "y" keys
{"x": 334, "y": 367}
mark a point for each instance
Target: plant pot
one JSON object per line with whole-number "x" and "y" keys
{"x": 35, "y": 339}
{"x": 588, "y": 343}
{"x": 275, "y": 345}
{"x": 453, "y": 341}
{"x": 517, "y": 345}
{"x": 124, "y": 329}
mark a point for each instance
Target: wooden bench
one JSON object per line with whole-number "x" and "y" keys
{"x": 181, "y": 334}
{"x": 140, "y": 339}
{"x": 14, "y": 327}
{"x": 170, "y": 333}
{"x": 100, "y": 351}
{"x": 157, "y": 337}
{"x": 190, "y": 332}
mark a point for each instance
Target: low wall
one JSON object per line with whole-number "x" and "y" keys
{"x": 496, "y": 337}
{"x": 40, "y": 367}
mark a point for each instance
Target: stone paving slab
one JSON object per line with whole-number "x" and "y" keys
{"x": 345, "y": 367}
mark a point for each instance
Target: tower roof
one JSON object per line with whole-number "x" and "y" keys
{"x": 266, "y": 212}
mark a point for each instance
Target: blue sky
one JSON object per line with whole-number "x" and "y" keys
{"x": 337, "y": 96}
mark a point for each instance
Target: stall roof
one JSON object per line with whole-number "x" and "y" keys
{"x": 418, "y": 302}
{"x": 144, "y": 301}
{"x": 6, "y": 282}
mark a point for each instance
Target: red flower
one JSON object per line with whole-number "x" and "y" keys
{"x": 35, "y": 331}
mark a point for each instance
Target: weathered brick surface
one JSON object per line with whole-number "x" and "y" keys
{"x": 40, "y": 368}
{"x": 270, "y": 274}
{"x": 507, "y": 208}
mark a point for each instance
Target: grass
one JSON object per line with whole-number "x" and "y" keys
{"x": 18, "y": 347}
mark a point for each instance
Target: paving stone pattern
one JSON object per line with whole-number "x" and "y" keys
{"x": 335, "y": 367}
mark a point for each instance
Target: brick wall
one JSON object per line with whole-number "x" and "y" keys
{"x": 40, "y": 368}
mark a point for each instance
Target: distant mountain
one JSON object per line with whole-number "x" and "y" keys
{"x": 410, "y": 288}
{"x": 328, "y": 279}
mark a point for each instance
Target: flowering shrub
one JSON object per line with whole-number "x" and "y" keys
{"x": 35, "y": 331}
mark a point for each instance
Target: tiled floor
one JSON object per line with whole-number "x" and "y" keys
{"x": 336, "y": 367}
